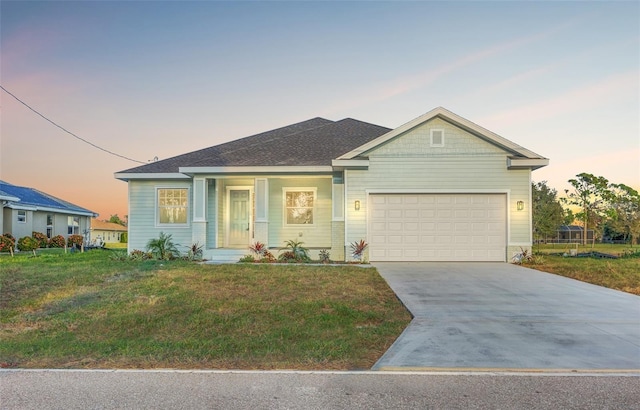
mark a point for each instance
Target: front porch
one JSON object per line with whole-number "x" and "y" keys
{"x": 229, "y": 214}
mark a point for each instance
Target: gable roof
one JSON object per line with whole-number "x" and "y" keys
{"x": 97, "y": 225}
{"x": 34, "y": 200}
{"x": 315, "y": 142}
{"x": 521, "y": 156}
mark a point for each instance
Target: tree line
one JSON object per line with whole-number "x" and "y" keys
{"x": 611, "y": 211}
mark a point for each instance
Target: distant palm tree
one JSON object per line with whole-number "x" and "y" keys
{"x": 163, "y": 247}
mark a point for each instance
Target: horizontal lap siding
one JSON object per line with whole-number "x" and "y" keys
{"x": 316, "y": 235}
{"x": 142, "y": 214}
{"x": 466, "y": 164}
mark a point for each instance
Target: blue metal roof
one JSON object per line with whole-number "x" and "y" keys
{"x": 30, "y": 197}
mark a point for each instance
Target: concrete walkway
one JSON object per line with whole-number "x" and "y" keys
{"x": 502, "y": 316}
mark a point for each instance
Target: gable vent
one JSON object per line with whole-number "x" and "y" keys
{"x": 437, "y": 138}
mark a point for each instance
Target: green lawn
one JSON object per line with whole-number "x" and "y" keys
{"x": 621, "y": 274}
{"x": 85, "y": 310}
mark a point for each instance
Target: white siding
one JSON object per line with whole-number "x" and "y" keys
{"x": 142, "y": 214}
{"x": 316, "y": 235}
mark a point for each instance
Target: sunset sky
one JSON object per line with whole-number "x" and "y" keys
{"x": 157, "y": 79}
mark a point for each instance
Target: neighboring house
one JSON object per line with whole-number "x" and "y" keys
{"x": 438, "y": 188}
{"x": 106, "y": 232}
{"x": 27, "y": 210}
{"x": 572, "y": 234}
{"x": 5, "y": 200}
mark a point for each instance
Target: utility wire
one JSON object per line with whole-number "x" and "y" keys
{"x": 67, "y": 131}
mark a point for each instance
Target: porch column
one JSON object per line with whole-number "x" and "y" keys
{"x": 337, "y": 220}
{"x": 199, "y": 223}
{"x": 261, "y": 226}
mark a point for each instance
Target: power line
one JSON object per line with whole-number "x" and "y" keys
{"x": 67, "y": 131}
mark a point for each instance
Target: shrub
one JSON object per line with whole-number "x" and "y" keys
{"x": 630, "y": 253}
{"x": 8, "y": 235}
{"x": 138, "y": 255}
{"x": 7, "y": 244}
{"x": 57, "y": 242}
{"x": 524, "y": 256}
{"x": 124, "y": 237}
{"x": 357, "y": 249}
{"x": 247, "y": 259}
{"x": 195, "y": 252}
{"x": 324, "y": 256}
{"x": 76, "y": 240}
{"x": 119, "y": 256}
{"x": 42, "y": 239}
{"x": 163, "y": 247}
{"x": 27, "y": 243}
{"x": 295, "y": 252}
{"x": 261, "y": 253}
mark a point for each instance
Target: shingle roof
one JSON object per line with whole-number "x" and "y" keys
{"x": 309, "y": 143}
{"x": 30, "y": 197}
{"x": 106, "y": 226}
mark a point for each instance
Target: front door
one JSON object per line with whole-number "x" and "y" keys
{"x": 239, "y": 217}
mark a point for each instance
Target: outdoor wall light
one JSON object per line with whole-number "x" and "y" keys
{"x": 357, "y": 205}
{"x": 520, "y": 205}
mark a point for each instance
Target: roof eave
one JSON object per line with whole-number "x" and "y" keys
{"x": 126, "y": 176}
{"x": 312, "y": 169}
{"x": 342, "y": 164}
{"x": 527, "y": 163}
{"x": 9, "y": 198}
{"x": 31, "y": 207}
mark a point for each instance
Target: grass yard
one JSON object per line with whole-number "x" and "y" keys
{"x": 85, "y": 310}
{"x": 621, "y": 274}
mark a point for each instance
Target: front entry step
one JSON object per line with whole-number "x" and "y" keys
{"x": 225, "y": 255}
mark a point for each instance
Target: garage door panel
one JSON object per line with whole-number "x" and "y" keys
{"x": 438, "y": 227}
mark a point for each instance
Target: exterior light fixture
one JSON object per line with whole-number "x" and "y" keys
{"x": 520, "y": 205}
{"x": 357, "y": 205}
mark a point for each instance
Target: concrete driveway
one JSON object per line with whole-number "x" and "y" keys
{"x": 502, "y": 316}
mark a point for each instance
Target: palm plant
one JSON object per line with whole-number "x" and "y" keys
{"x": 295, "y": 252}
{"x": 163, "y": 247}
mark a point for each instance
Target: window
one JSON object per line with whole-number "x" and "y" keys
{"x": 73, "y": 223}
{"x": 22, "y": 217}
{"x": 437, "y": 138}
{"x": 299, "y": 206}
{"x": 172, "y": 205}
{"x": 49, "y": 226}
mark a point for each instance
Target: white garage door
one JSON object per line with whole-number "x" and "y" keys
{"x": 437, "y": 227}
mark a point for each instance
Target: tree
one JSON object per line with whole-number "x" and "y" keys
{"x": 548, "y": 213}
{"x": 624, "y": 211}
{"x": 116, "y": 220}
{"x": 590, "y": 193}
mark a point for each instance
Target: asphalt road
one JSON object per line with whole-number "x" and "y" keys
{"x": 122, "y": 389}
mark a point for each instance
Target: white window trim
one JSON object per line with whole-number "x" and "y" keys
{"x": 72, "y": 218}
{"x": 431, "y": 132}
{"x": 285, "y": 190}
{"x": 157, "y": 207}
{"x": 25, "y": 217}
